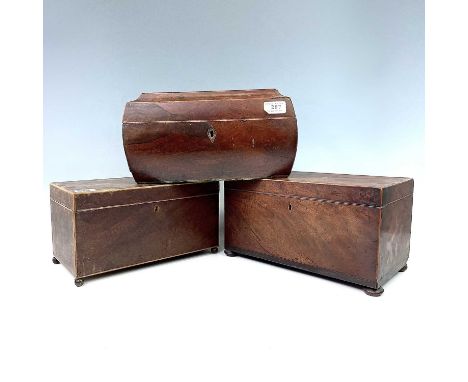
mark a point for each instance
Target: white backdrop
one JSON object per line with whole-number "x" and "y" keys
{"x": 209, "y": 317}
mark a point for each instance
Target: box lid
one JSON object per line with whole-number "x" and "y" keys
{"x": 206, "y": 106}
{"x": 358, "y": 189}
{"x": 208, "y": 95}
{"x": 101, "y": 193}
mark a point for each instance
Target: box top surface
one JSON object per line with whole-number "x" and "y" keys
{"x": 359, "y": 189}
{"x": 345, "y": 179}
{"x": 207, "y": 95}
{"x": 224, "y": 105}
{"x": 100, "y": 193}
{"x": 103, "y": 185}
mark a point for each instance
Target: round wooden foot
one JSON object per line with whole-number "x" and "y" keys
{"x": 404, "y": 268}
{"x": 214, "y": 250}
{"x": 229, "y": 253}
{"x": 373, "y": 292}
{"x": 55, "y": 261}
{"x": 79, "y": 282}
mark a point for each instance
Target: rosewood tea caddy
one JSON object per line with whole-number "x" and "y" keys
{"x": 352, "y": 228}
{"x": 214, "y": 135}
{"x": 109, "y": 224}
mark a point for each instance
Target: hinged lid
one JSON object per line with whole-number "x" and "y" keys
{"x": 101, "y": 193}
{"x": 207, "y": 106}
{"x": 360, "y": 189}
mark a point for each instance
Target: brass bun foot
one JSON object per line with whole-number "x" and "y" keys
{"x": 373, "y": 292}
{"x": 214, "y": 250}
{"x": 229, "y": 253}
{"x": 79, "y": 282}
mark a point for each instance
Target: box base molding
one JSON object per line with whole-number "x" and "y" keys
{"x": 79, "y": 281}
{"x": 373, "y": 289}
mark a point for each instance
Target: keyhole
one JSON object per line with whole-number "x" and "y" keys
{"x": 289, "y": 207}
{"x": 211, "y": 134}
{"x": 156, "y": 208}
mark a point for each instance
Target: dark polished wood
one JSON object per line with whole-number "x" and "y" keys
{"x": 229, "y": 253}
{"x": 352, "y": 228}
{"x": 373, "y": 292}
{"x": 200, "y": 136}
{"x": 104, "y": 225}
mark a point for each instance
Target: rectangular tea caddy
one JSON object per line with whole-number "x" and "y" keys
{"x": 349, "y": 227}
{"x": 108, "y": 224}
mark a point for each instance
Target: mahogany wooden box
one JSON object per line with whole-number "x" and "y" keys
{"x": 104, "y": 225}
{"x": 349, "y": 227}
{"x": 201, "y": 136}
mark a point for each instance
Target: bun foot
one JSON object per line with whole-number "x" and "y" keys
{"x": 55, "y": 261}
{"x": 373, "y": 292}
{"x": 404, "y": 268}
{"x": 214, "y": 250}
{"x": 229, "y": 253}
{"x": 79, "y": 282}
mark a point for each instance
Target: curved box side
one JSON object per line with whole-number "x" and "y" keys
{"x": 203, "y": 136}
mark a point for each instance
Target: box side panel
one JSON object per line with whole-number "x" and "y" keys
{"x": 63, "y": 238}
{"x": 397, "y": 191}
{"x": 120, "y": 237}
{"x": 395, "y": 235}
{"x": 62, "y": 196}
{"x": 334, "y": 240}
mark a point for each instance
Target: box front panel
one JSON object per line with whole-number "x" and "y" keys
{"x": 223, "y": 149}
{"x": 120, "y": 237}
{"x": 335, "y": 240}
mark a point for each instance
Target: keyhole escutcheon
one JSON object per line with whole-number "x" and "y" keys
{"x": 211, "y": 134}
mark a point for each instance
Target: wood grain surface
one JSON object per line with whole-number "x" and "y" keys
{"x": 334, "y": 225}
{"x": 200, "y": 136}
{"x": 108, "y": 224}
